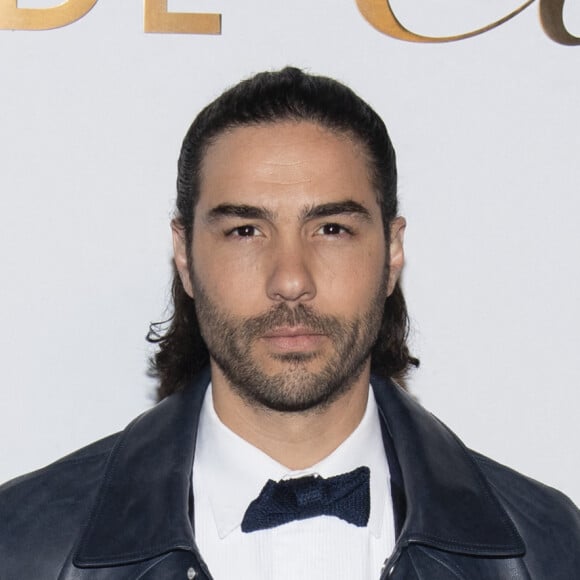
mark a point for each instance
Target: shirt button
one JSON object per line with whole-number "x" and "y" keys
{"x": 191, "y": 574}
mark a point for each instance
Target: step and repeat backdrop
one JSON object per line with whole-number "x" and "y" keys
{"x": 481, "y": 98}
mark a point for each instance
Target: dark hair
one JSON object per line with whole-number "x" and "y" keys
{"x": 269, "y": 97}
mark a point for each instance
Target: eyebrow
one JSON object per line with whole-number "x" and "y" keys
{"x": 347, "y": 207}
{"x": 224, "y": 210}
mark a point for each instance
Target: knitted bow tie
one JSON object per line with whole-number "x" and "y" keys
{"x": 344, "y": 496}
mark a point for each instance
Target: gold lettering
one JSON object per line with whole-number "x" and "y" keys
{"x": 380, "y": 15}
{"x": 14, "y": 18}
{"x": 552, "y": 18}
{"x": 157, "y": 19}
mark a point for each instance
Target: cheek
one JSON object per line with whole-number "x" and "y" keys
{"x": 233, "y": 282}
{"x": 353, "y": 279}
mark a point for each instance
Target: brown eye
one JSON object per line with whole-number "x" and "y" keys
{"x": 333, "y": 230}
{"x": 244, "y": 231}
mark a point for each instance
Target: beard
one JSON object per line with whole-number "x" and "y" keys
{"x": 231, "y": 341}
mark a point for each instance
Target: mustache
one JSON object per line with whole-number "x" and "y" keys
{"x": 284, "y": 315}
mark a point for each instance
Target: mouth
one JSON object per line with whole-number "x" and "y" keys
{"x": 294, "y": 338}
{"x": 291, "y": 331}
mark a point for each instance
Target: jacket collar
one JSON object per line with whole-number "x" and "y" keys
{"x": 144, "y": 507}
{"x": 449, "y": 503}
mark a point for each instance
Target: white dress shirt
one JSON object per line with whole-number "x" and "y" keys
{"x": 229, "y": 474}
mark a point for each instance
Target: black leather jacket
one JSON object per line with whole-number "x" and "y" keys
{"x": 121, "y": 508}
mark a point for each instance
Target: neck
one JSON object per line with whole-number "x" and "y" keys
{"x": 296, "y": 440}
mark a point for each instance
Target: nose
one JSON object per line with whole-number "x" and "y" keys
{"x": 290, "y": 278}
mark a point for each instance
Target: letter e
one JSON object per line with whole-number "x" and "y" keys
{"x": 157, "y": 19}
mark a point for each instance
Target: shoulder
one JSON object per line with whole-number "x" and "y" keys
{"x": 46, "y": 509}
{"x": 61, "y": 470}
{"x": 547, "y": 520}
{"x": 519, "y": 491}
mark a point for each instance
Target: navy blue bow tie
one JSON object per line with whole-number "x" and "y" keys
{"x": 344, "y": 496}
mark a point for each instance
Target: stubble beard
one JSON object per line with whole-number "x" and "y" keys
{"x": 230, "y": 341}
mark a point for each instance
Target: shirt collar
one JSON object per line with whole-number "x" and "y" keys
{"x": 223, "y": 457}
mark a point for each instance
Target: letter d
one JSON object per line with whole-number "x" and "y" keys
{"x": 14, "y": 18}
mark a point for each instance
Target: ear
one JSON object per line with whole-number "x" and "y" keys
{"x": 180, "y": 255}
{"x": 396, "y": 252}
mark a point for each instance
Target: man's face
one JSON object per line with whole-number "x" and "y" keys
{"x": 288, "y": 263}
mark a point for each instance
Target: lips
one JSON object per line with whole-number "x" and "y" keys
{"x": 294, "y": 338}
{"x": 291, "y": 331}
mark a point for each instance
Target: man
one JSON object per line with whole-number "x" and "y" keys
{"x": 274, "y": 452}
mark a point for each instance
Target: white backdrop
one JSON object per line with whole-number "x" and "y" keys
{"x": 488, "y": 137}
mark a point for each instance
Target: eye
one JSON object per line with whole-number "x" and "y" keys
{"x": 333, "y": 230}
{"x": 246, "y": 231}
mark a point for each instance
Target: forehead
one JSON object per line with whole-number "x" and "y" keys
{"x": 282, "y": 163}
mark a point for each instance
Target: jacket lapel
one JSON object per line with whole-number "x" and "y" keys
{"x": 449, "y": 504}
{"x": 143, "y": 508}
